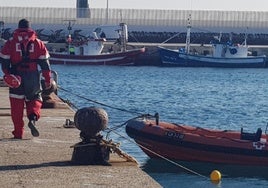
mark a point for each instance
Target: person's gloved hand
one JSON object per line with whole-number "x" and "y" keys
{"x": 48, "y": 84}
{"x": 47, "y": 76}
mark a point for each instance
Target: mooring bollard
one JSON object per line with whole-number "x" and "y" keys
{"x": 90, "y": 151}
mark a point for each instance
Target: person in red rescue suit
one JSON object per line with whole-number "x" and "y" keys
{"x": 21, "y": 56}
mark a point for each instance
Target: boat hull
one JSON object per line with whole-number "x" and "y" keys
{"x": 175, "y": 58}
{"x": 120, "y": 58}
{"x": 180, "y": 142}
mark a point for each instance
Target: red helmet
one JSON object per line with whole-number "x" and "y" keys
{"x": 12, "y": 81}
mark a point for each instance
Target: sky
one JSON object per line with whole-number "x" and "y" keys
{"x": 233, "y": 5}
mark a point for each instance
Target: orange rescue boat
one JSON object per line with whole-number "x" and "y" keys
{"x": 188, "y": 143}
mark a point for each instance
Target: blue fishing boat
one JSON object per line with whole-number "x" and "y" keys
{"x": 224, "y": 54}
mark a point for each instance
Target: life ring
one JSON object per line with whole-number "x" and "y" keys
{"x": 233, "y": 51}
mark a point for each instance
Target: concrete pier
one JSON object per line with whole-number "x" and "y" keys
{"x": 44, "y": 161}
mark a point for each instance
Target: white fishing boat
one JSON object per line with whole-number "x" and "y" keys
{"x": 89, "y": 51}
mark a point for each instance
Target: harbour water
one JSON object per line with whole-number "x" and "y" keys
{"x": 206, "y": 97}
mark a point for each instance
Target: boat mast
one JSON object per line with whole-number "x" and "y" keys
{"x": 187, "y": 48}
{"x": 107, "y": 11}
{"x": 246, "y": 37}
{"x": 70, "y": 24}
{"x": 2, "y": 23}
{"x": 123, "y": 36}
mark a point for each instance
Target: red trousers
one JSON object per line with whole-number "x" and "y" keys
{"x": 17, "y": 110}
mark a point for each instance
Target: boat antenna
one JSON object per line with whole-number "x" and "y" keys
{"x": 266, "y": 128}
{"x": 69, "y": 23}
{"x": 220, "y": 36}
{"x": 246, "y": 37}
{"x": 187, "y": 48}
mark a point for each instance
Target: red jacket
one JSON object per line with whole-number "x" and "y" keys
{"x": 25, "y": 51}
{"x": 21, "y": 56}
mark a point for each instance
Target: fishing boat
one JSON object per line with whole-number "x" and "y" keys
{"x": 89, "y": 51}
{"x": 224, "y": 54}
{"x": 188, "y": 143}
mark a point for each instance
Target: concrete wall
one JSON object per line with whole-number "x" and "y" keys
{"x": 141, "y": 20}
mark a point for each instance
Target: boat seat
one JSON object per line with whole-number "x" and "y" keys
{"x": 255, "y": 137}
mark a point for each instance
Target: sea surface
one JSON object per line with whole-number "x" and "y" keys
{"x": 216, "y": 98}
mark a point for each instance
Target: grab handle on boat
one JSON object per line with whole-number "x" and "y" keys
{"x": 54, "y": 76}
{"x": 156, "y": 118}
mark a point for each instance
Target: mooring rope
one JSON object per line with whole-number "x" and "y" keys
{"x": 171, "y": 38}
{"x": 102, "y": 104}
{"x": 116, "y": 127}
{"x": 160, "y": 156}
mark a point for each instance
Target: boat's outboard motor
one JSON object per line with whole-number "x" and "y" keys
{"x": 90, "y": 121}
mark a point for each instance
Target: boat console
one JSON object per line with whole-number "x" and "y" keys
{"x": 251, "y": 136}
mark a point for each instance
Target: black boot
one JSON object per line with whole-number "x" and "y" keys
{"x": 31, "y": 125}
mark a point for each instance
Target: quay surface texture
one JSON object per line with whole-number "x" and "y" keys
{"x": 45, "y": 161}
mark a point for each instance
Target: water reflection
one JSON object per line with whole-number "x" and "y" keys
{"x": 227, "y": 171}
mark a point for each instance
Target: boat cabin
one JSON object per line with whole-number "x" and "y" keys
{"x": 91, "y": 46}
